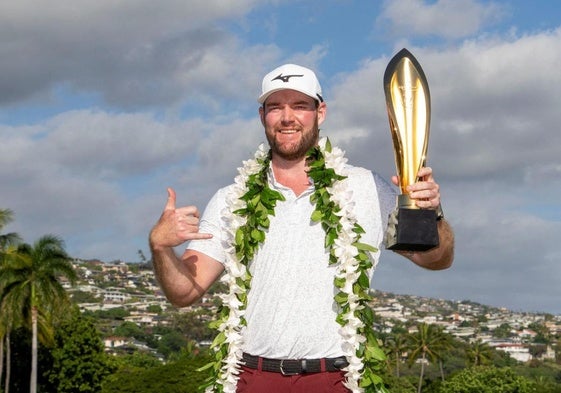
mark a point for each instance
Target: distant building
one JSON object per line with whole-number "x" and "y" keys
{"x": 517, "y": 351}
{"x": 115, "y": 296}
{"x": 142, "y": 318}
{"x": 115, "y": 342}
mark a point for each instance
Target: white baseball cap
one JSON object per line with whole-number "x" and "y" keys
{"x": 294, "y": 77}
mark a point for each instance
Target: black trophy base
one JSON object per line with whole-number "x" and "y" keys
{"x": 416, "y": 230}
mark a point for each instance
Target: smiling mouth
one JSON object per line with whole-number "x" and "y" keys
{"x": 288, "y": 131}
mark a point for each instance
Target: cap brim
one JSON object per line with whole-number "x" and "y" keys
{"x": 266, "y": 95}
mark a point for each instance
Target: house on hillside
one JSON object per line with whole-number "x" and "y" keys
{"x": 517, "y": 351}
{"x": 143, "y": 318}
{"x": 115, "y": 342}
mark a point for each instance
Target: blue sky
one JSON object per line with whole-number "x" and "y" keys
{"x": 104, "y": 104}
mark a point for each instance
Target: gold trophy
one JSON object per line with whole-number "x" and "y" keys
{"x": 408, "y": 103}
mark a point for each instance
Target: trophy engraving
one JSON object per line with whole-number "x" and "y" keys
{"x": 408, "y": 104}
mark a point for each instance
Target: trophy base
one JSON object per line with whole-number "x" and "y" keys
{"x": 415, "y": 230}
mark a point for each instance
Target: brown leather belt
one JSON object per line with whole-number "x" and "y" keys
{"x": 294, "y": 366}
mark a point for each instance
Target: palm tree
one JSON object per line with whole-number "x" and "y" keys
{"x": 6, "y": 240}
{"x": 426, "y": 344}
{"x": 9, "y": 320}
{"x": 396, "y": 345}
{"x": 445, "y": 343}
{"x": 30, "y": 285}
{"x": 479, "y": 353}
{"x": 7, "y": 216}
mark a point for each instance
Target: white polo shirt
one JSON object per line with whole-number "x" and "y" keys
{"x": 290, "y": 310}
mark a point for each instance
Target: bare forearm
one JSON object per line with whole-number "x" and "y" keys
{"x": 184, "y": 279}
{"x": 172, "y": 275}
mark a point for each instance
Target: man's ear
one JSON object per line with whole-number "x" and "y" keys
{"x": 322, "y": 112}
{"x": 262, "y": 115}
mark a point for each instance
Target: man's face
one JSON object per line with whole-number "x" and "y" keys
{"x": 291, "y": 120}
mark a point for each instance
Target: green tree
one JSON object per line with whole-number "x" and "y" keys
{"x": 9, "y": 321}
{"x": 557, "y": 348}
{"x": 84, "y": 297}
{"x": 543, "y": 335}
{"x": 117, "y": 313}
{"x": 503, "y": 331}
{"x": 139, "y": 359}
{"x": 193, "y": 325}
{"x": 396, "y": 344}
{"x": 174, "y": 377}
{"x": 79, "y": 360}
{"x": 154, "y": 308}
{"x": 130, "y": 329}
{"x": 537, "y": 351}
{"x": 172, "y": 343}
{"x": 7, "y": 241}
{"x": 446, "y": 343}
{"x": 488, "y": 380}
{"x": 427, "y": 344}
{"x": 399, "y": 385}
{"x": 30, "y": 284}
{"x": 479, "y": 353}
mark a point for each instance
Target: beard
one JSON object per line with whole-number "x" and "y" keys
{"x": 294, "y": 151}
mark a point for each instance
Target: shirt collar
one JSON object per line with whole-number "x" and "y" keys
{"x": 274, "y": 184}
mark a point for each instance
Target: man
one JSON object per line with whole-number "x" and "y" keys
{"x": 292, "y": 342}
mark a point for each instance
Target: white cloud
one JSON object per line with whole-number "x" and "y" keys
{"x": 132, "y": 53}
{"x": 450, "y": 19}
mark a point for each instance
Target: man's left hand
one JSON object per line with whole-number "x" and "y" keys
{"x": 425, "y": 192}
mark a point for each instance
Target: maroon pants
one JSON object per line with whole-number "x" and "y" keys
{"x": 257, "y": 381}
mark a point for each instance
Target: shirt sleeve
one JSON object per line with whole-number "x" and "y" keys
{"x": 211, "y": 222}
{"x": 387, "y": 195}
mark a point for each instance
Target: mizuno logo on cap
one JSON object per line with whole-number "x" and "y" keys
{"x": 285, "y": 78}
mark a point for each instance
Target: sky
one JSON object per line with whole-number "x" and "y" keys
{"x": 104, "y": 104}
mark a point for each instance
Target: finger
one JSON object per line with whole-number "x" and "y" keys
{"x": 427, "y": 200}
{"x": 395, "y": 180}
{"x": 187, "y": 211}
{"x": 170, "y": 204}
{"x": 423, "y": 204}
{"x": 424, "y": 190}
{"x": 195, "y": 235}
{"x": 425, "y": 173}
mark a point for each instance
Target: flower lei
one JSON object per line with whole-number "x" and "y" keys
{"x": 250, "y": 202}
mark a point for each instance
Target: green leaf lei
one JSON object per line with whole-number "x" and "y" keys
{"x": 251, "y": 204}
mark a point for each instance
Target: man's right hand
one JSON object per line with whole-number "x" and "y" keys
{"x": 176, "y": 225}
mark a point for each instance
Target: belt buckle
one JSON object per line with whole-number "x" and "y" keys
{"x": 285, "y": 373}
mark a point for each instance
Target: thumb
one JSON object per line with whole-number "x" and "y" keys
{"x": 170, "y": 204}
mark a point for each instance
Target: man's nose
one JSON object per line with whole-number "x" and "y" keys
{"x": 287, "y": 114}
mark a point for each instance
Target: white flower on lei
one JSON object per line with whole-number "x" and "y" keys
{"x": 335, "y": 159}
